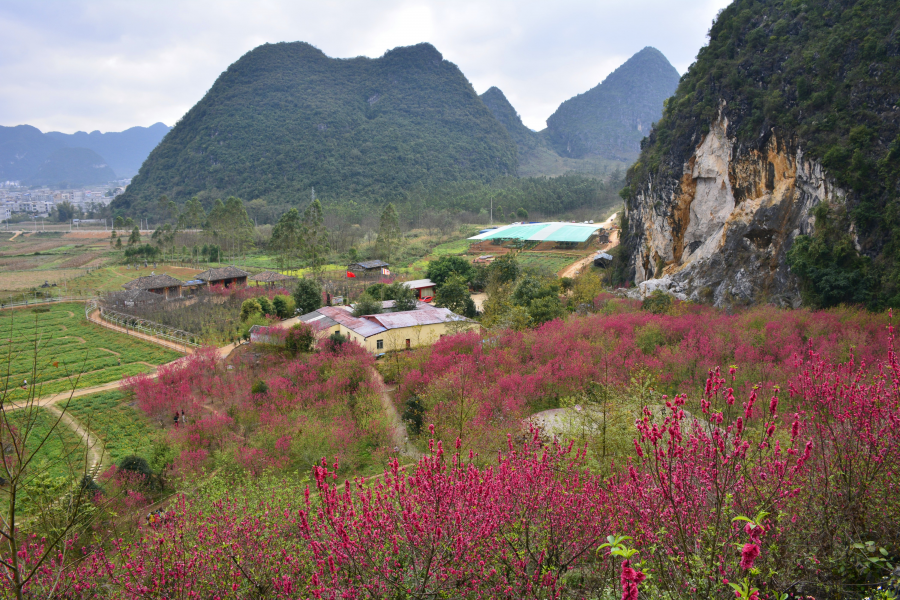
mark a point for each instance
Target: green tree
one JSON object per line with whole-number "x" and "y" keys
{"x": 388, "y": 233}
{"x": 442, "y": 269}
{"x": 522, "y": 213}
{"x": 286, "y": 238}
{"x": 454, "y": 295}
{"x": 284, "y": 306}
{"x": 193, "y": 215}
{"x": 65, "y": 211}
{"x": 404, "y": 297}
{"x": 119, "y": 223}
{"x": 249, "y": 308}
{"x": 366, "y": 305}
{"x": 545, "y": 309}
{"x": 308, "y": 295}
{"x": 505, "y": 269}
{"x": 135, "y": 237}
{"x": 314, "y": 237}
{"x": 830, "y": 269}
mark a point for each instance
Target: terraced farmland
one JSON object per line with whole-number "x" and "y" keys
{"x": 123, "y": 430}
{"x": 67, "y": 351}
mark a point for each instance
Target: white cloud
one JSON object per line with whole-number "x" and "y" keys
{"x": 113, "y": 64}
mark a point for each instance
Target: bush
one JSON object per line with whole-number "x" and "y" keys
{"x": 366, "y": 305}
{"x": 265, "y": 306}
{"x": 300, "y": 338}
{"x": 413, "y": 414}
{"x": 259, "y": 387}
{"x": 307, "y": 296}
{"x": 658, "y": 302}
{"x": 284, "y": 306}
{"x": 337, "y": 339}
{"x": 249, "y": 308}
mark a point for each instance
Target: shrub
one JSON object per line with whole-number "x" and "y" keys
{"x": 366, "y": 305}
{"x": 413, "y": 414}
{"x": 657, "y": 303}
{"x": 284, "y": 306}
{"x": 249, "y": 308}
{"x": 300, "y": 338}
{"x": 137, "y": 465}
{"x": 259, "y": 387}
{"x": 307, "y": 296}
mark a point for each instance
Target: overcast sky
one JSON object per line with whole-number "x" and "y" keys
{"x": 72, "y": 65}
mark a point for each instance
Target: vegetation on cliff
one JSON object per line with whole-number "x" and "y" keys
{"x": 824, "y": 75}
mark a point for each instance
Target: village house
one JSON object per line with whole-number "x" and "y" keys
{"x": 163, "y": 284}
{"x": 388, "y": 331}
{"x": 226, "y": 276}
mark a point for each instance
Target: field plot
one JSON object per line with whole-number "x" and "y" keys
{"x": 547, "y": 261}
{"x": 452, "y": 248}
{"x": 123, "y": 429}
{"x": 111, "y": 278}
{"x": 62, "y": 454}
{"x": 64, "y": 344}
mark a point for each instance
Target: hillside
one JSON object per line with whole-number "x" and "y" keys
{"x": 124, "y": 150}
{"x": 536, "y": 155}
{"x": 773, "y": 175}
{"x": 23, "y": 149}
{"x": 36, "y": 158}
{"x": 72, "y": 167}
{"x": 285, "y": 118}
{"x": 611, "y": 119}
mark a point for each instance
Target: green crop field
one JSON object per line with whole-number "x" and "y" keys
{"x": 62, "y": 454}
{"x": 547, "y": 261}
{"x": 67, "y": 351}
{"x": 123, "y": 429}
{"x": 452, "y": 248}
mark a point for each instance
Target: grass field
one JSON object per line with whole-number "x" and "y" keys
{"x": 123, "y": 429}
{"x": 63, "y": 452}
{"x": 546, "y": 261}
{"x": 452, "y": 248}
{"x": 63, "y": 344}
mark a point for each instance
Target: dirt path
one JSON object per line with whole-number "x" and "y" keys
{"x": 398, "y": 429}
{"x": 95, "y": 448}
{"x": 575, "y": 269}
{"x": 15, "y": 235}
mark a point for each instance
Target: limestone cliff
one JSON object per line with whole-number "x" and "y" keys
{"x": 721, "y": 232}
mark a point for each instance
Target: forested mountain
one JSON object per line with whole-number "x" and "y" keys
{"x": 778, "y": 158}
{"x": 124, "y": 150}
{"x": 286, "y": 118}
{"x": 526, "y": 140}
{"x": 611, "y": 119}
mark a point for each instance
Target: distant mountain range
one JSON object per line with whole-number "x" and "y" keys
{"x": 36, "y": 158}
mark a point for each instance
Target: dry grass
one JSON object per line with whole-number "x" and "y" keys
{"x": 25, "y": 280}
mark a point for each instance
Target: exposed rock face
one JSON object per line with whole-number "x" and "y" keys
{"x": 722, "y": 232}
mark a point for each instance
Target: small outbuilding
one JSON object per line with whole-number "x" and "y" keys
{"x": 424, "y": 288}
{"x": 165, "y": 285}
{"x": 368, "y": 268}
{"x": 226, "y": 276}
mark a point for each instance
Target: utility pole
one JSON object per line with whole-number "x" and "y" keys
{"x": 492, "y": 210}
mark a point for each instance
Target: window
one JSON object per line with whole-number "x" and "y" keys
{"x": 379, "y": 344}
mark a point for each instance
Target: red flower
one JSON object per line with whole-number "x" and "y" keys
{"x": 748, "y": 555}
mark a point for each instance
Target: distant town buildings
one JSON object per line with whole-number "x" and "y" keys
{"x": 39, "y": 203}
